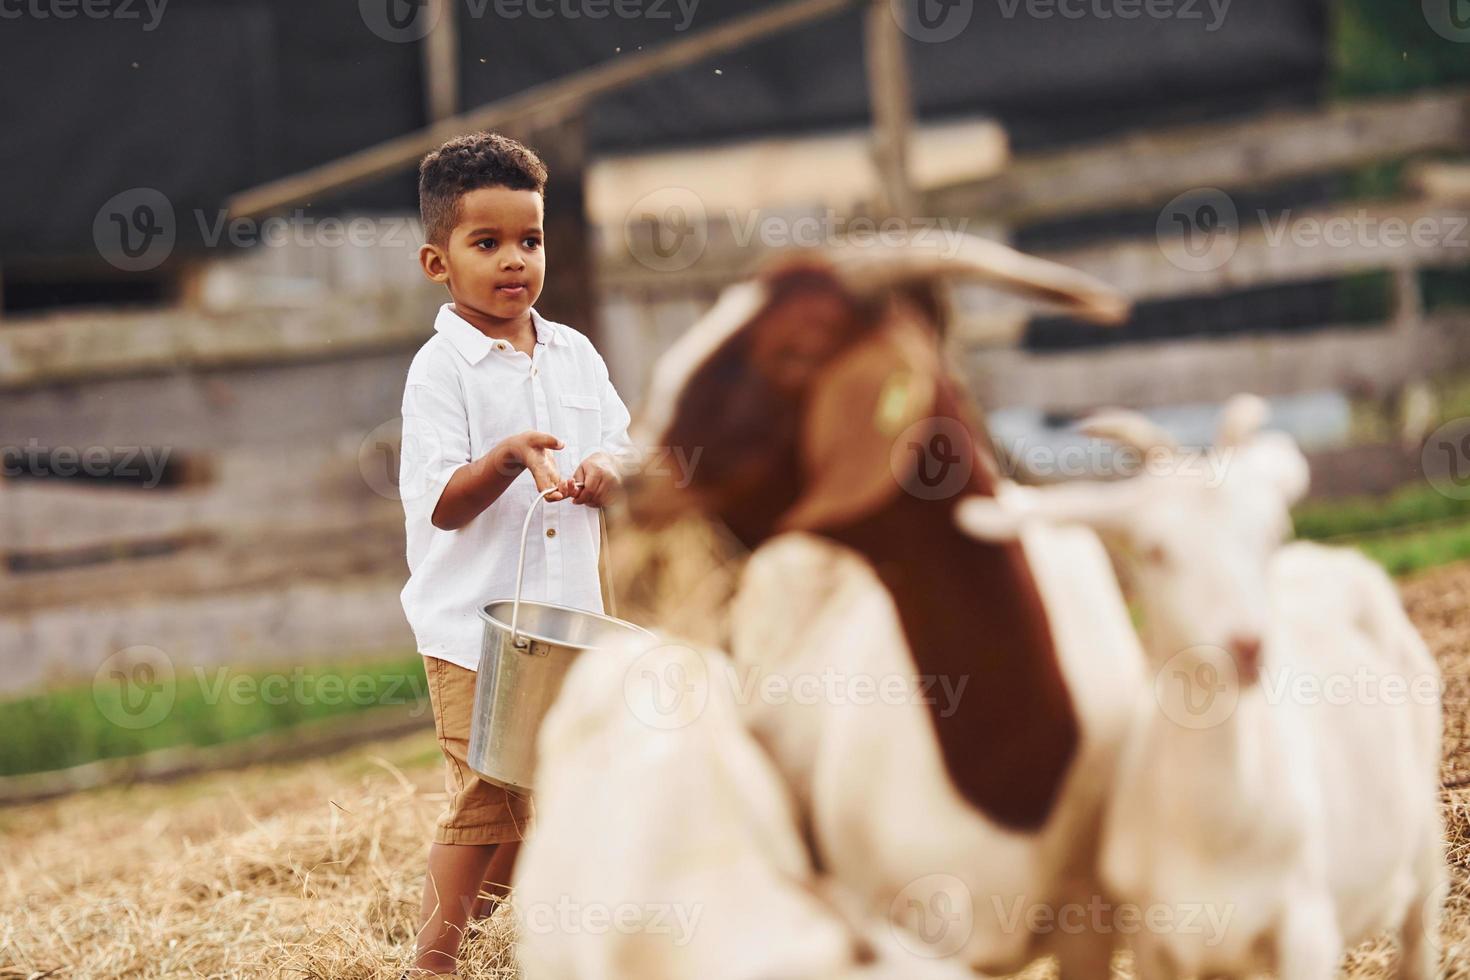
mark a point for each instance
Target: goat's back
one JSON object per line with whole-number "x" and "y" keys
{"x": 1347, "y": 657}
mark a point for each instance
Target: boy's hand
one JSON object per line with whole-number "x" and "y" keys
{"x": 532, "y": 450}
{"x": 599, "y": 478}
{"x": 477, "y": 485}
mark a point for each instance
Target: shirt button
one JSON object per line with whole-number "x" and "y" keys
{"x": 551, "y": 532}
{"x": 501, "y": 345}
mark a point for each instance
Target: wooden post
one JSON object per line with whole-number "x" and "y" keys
{"x": 1408, "y": 299}
{"x": 891, "y": 101}
{"x": 187, "y": 287}
{"x": 441, "y": 63}
{"x": 567, "y": 296}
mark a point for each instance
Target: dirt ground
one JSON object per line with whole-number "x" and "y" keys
{"x": 313, "y": 870}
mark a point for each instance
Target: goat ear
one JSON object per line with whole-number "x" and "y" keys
{"x": 1241, "y": 419}
{"x": 1104, "y": 507}
{"x": 1128, "y": 429}
{"x": 1276, "y": 458}
{"x": 872, "y": 270}
{"x": 989, "y": 519}
{"x": 858, "y": 404}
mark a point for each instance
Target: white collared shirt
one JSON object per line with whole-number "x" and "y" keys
{"x": 465, "y": 393}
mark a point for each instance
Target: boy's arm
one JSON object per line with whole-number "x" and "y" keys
{"x": 478, "y": 484}
{"x": 438, "y": 480}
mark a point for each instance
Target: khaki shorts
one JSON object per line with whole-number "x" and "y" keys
{"x": 479, "y": 812}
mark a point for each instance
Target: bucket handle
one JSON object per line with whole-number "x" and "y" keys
{"x": 520, "y": 642}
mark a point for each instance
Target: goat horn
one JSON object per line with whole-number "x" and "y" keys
{"x": 1242, "y": 417}
{"x": 872, "y": 268}
{"x": 1128, "y": 429}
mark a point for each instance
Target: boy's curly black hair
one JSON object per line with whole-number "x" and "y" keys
{"x": 468, "y": 163}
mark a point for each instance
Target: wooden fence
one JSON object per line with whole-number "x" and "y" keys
{"x": 1145, "y": 172}
{"x": 282, "y": 538}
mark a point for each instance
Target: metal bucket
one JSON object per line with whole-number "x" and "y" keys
{"x": 525, "y": 653}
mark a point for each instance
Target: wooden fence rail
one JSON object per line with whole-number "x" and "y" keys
{"x": 1144, "y": 169}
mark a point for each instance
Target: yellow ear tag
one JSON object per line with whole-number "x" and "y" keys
{"x": 892, "y": 412}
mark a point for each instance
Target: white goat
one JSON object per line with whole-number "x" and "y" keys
{"x": 1256, "y": 784}
{"x": 664, "y": 847}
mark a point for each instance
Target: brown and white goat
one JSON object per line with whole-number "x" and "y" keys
{"x": 819, "y": 402}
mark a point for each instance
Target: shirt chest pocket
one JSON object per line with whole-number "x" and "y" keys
{"x": 583, "y": 414}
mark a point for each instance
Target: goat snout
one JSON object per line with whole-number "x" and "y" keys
{"x": 1246, "y": 649}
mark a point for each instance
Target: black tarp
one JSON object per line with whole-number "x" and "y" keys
{"x": 211, "y": 97}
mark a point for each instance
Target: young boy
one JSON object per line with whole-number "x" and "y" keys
{"x": 498, "y": 404}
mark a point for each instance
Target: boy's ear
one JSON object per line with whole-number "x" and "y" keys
{"x": 431, "y": 259}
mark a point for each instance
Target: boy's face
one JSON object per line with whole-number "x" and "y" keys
{"x": 494, "y": 262}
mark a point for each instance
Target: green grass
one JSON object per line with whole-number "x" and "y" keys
{"x": 1380, "y": 47}
{"x": 1411, "y": 551}
{"x": 1408, "y": 506}
{"x": 1408, "y": 531}
{"x": 113, "y": 718}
